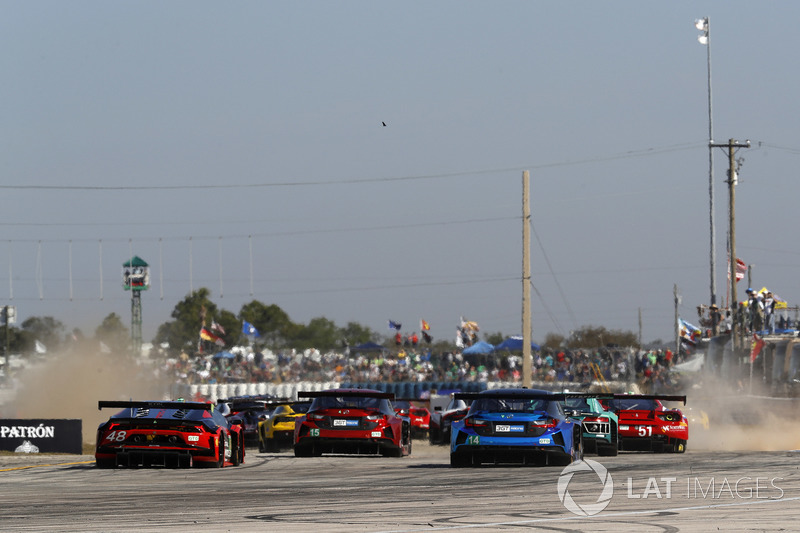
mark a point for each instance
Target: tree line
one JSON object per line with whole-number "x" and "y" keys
{"x": 276, "y": 331}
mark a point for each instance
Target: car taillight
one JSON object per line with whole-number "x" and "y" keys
{"x": 600, "y": 419}
{"x": 475, "y": 423}
{"x": 545, "y": 423}
{"x": 670, "y": 417}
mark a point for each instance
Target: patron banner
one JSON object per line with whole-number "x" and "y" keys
{"x": 41, "y": 436}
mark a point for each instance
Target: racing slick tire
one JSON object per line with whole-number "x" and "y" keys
{"x": 220, "y": 462}
{"x": 611, "y": 449}
{"x": 236, "y": 453}
{"x": 460, "y": 460}
{"x": 392, "y": 452}
{"x": 105, "y": 463}
{"x": 303, "y": 451}
{"x": 577, "y": 451}
{"x": 261, "y": 446}
{"x": 608, "y": 450}
{"x": 680, "y": 446}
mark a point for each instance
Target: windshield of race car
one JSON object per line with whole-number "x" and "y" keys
{"x": 625, "y": 404}
{"x": 578, "y": 404}
{"x": 351, "y": 402}
{"x": 301, "y": 407}
{"x": 506, "y": 405}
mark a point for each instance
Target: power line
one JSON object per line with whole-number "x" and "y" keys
{"x": 356, "y": 181}
{"x": 555, "y": 278}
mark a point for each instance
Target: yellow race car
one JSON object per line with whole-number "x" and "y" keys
{"x": 277, "y": 432}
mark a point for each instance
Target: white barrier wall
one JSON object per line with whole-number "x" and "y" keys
{"x": 213, "y": 392}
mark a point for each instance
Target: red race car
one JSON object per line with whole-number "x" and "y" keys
{"x": 418, "y": 415}
{"x": 170, "y": 434}
{"x": 351, "y": 421}
{"x": 646, "y": 424}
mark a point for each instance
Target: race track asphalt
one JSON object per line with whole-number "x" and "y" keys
{"x": 695, "y": 491}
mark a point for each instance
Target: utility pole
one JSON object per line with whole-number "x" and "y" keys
{"x": 8, "y": 357}
{"x": 527, "y": 359}
{"x": 732, "y": 145}
{"x": 640, "y": 327}
{"x": 677, "y": 299}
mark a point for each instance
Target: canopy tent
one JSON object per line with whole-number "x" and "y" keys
{"x": 368, "y": 347}
{"x": 513, "y": 344}
{"x": 224, "y": 355}
{"x": 480, "y": 348}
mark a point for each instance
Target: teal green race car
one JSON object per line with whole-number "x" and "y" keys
{"x": 600, "y": 427}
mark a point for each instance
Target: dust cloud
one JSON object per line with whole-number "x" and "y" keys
{"x": 69, "y": 385}
{"x": 742, "y": 422}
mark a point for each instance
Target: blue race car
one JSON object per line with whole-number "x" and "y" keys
{"x": 515, "y": 426}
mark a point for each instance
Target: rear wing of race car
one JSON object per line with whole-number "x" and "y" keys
{"x": 155, "y": 405}
{"x": 530, "y": 395}
{"x": 664, "y": 397}
{"x": 345, "y": 394}
{"x": 239, "y": 403}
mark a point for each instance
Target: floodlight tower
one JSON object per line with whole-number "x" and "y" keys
{"x": 136, "y": 278}
{"x": 704, "y": 26}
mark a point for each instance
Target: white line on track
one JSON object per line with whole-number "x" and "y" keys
{"x": 595, "y": 517}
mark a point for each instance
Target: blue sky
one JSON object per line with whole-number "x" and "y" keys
{"x": 199, "y": 135}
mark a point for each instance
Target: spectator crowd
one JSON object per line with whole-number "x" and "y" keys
{"x": 649, "y": 368}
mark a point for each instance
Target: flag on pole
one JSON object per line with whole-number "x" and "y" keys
{"x": 395, "y": 325}
{"x": 424, "y": 326}
{"x": 741, "y": 269}
{"x": 688, "y": 332}
{"x": 216, "y": 327}
{"x": 207, "y": 335}
{"x": 758, "y": 343}
{"x": 249, "y": 329}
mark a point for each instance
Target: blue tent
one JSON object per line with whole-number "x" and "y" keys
{"x": 513, "y": 344}
{"x": 480, "y": 348}
{"x": 368, "y": 347}
{"x": 224, "y": 355}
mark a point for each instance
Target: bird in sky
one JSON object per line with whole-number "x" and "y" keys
{"x": 383, "y": 123}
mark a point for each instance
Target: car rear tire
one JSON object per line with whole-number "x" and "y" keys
{"x": 105, "y": 463}
{"x": 302, "y": 451}
{"x": 220, "y": 462}
{"x": 236, "y": 453}
{"x": 460, "y": 460}
{"x": 607, "y": 450}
